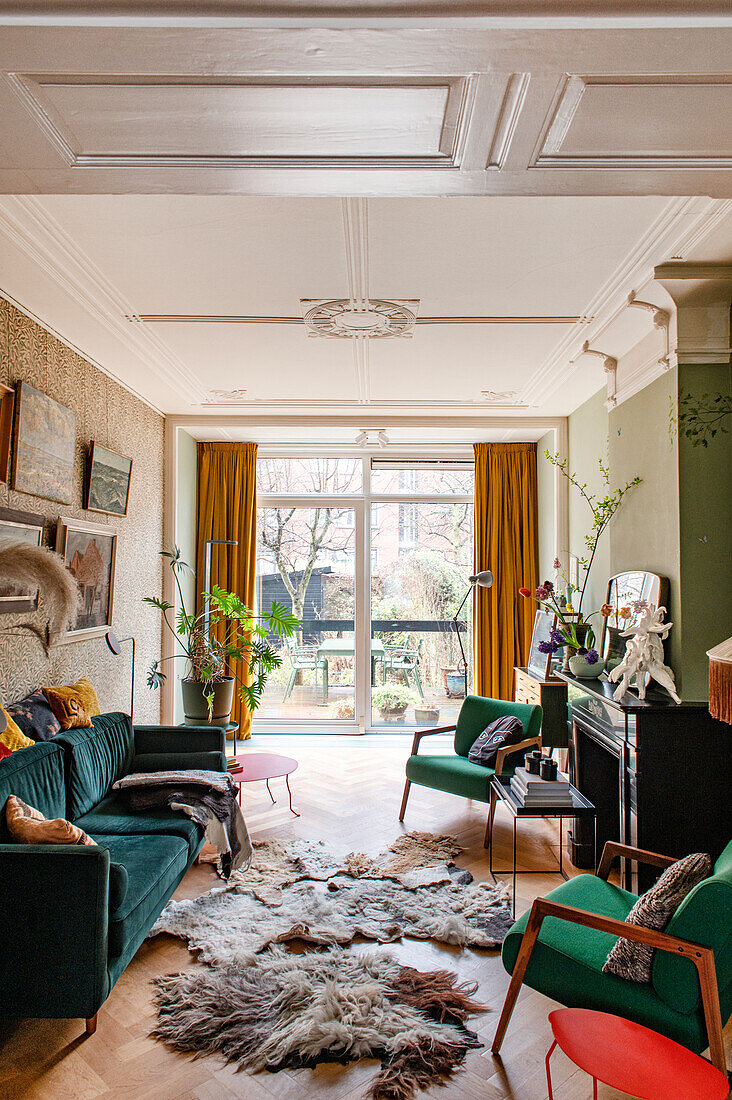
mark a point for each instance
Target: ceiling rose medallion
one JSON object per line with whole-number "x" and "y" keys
{"x": 343, "y": 318}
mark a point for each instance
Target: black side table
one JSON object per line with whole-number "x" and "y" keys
{"x": 501, "y": 791}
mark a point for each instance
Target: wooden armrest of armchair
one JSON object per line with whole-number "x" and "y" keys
{"x": 519, "y": 747}
{"x": 426, "y": 733}
{"x": 702, "y": 958}
{"x": 613, "y": 851}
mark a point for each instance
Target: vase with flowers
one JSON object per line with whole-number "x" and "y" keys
{"x": 575, "y": 636}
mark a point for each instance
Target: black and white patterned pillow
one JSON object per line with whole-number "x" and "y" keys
{"x": 654, "y": 909}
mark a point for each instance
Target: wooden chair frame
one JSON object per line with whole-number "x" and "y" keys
{"x": 702, "y": 957}
{"x": 530, "y": 742}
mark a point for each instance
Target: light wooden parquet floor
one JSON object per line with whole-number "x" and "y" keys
{"x": 348, "y": 790}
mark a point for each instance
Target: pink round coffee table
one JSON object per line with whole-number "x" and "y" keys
{"x": 255, "y": 766}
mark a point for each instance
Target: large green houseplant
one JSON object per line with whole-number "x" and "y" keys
{"x": 214, "y": 642}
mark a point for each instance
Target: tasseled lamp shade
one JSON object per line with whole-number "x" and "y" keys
{"x": 720, "y": 681}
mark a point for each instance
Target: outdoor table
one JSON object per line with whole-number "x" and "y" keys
{"x": 346, "y": 647}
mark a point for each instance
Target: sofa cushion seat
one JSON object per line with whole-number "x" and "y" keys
{"x": 566, "y": 963}
{"x": 113, "y": 817}
{"x": 453, "y": 774}
{"x": 154, "y": 864}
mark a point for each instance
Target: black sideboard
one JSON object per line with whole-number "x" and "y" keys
{"x": 660, "y": 774}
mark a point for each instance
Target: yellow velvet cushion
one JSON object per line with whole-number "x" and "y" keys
{"x": 81, "y": 690}
{"x": 13, "y": 738}
{"x": 68, "y": 708}
{"x": 27, "y": 825}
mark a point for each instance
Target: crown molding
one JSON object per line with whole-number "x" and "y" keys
{"x": 351, "y": 416}
{"x": 683, "y": 220}
{"x": 244, "y": 319}
{"x": 26, "y": 223}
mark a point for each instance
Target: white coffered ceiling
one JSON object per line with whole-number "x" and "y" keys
{"x": 171, "y": 189}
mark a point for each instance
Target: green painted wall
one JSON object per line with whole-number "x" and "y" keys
{"x": 645, "y": 532}
{"x": 705, "y": 503}
{"x": 588, "y": 443}
{"x": 545, "y": 491}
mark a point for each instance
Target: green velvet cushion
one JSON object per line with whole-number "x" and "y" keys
{"x": 567, "y": 961}
{"x": 96, "y": 757}
{"x": 36, "y": 776}
{"x": 113, "y": 817}
{"x": 453, "y": 774}
{"x": 154, "y": 866}
{"x": 477, "y": 712}
{"x": 704, "y": 916}
{"x": 173, "y": 762}
{"x": 179, "y": 739}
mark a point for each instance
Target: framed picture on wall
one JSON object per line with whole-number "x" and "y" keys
{"x": 7, "y": 403}
{"x": 25, "y": 527}
{"x": 45, "y": 441}
{"x": 89, "y": 553}
{"x": 108, "y": 475}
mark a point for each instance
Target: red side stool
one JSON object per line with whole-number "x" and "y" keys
{"x": 632, "y": 1058}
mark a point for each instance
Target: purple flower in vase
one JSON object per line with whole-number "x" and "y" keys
{"x": 547, "y": 647}
{"x": 557, "y": 563}
{"x": 542, "y": 592}
{"x": 558, "y": 638}
{"x": 592, "y": 656}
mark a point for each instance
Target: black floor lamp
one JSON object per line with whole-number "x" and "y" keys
{"x": 483, "y": 579}
{"x": 115, "y": 644}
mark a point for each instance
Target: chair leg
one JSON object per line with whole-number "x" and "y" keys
{"x": 548, "y": 1070}
{"x": 91, "y": 1024}
{"x": 489, "y": 822}
{"x": 418, "y": 682}
{"x": 712, "y": 1015}
{"x": 522, "y": 961}
{"x": 405, "y": 796}
{"x": 290, "y": 686}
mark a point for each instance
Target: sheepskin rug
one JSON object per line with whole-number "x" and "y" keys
{"x": 233, "y": 924}
{"x": 288, "y": 1010}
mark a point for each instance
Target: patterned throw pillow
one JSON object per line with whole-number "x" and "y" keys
{"x": 27, "y": 825}
{"x": 34, "y": 717}
{"x": 12, "y": 738}
{"x": 654, "y": 909}
{"x": 82, "y": 691}
{"x": 68, "y": 708}
{"x": 508, "y": 730}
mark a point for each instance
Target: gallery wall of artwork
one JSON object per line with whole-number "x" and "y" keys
{"x": 114, "y": 466}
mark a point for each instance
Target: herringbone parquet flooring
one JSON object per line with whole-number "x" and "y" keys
{"x": 348, "y": 790}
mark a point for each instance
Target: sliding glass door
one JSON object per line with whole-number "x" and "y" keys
{"x": 374, "y": 559}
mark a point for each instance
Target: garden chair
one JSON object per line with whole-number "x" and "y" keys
{"x": 559, "y": 948}
{"x": 304, "y": 658}
{"x": 405, "y": 658}
{"x": 455, "y": 774}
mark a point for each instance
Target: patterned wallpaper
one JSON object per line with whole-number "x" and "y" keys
{"x": 112, "y": 416}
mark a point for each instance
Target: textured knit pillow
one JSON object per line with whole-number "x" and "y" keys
{"x": 508, "y": 730}
{"x": 27, "y": 825}
{"x": 34, "y": 717}
{"x": 13, "y": 738}
{"x": 654, "y": 909}
{"x": 68, "y": 708}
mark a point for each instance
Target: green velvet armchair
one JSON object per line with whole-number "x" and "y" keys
{"x": 559, "y": 948}
{"x": 454, "y": 773}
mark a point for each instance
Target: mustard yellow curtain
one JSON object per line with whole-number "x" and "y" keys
{"x": 506, "y": 542}
{"x": 227, "y": 509}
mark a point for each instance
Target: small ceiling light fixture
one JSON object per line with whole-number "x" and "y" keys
{"x": 371, "y": 437}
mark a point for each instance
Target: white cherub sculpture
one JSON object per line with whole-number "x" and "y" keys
{"x": 644, "y": 656}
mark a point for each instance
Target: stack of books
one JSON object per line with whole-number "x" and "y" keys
{"x": 233, "y": 765}
{"x": 533, "y": 792}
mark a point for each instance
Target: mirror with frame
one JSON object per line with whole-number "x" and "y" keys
{"x": 623, "y": 590}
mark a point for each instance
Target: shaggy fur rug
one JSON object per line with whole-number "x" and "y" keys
{"x": 296, "y": 1010}
{"x": 234, "y": 924}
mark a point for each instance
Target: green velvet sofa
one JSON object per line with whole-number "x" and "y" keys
{"x": 74, "y": 916}
{"x": 559, "y": 948}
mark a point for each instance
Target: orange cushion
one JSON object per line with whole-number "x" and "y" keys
{"x": 68, "y": 708}
{"x": 27, "y": 825}
{"x": 81, "y": 690}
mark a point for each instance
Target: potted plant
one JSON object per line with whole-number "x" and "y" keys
{"x": 393, "y": 700}
{"x": 212, "y": 649}
{"x": 426, "y": 714}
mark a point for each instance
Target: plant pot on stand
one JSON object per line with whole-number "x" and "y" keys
{"x": 195, "y": 704}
